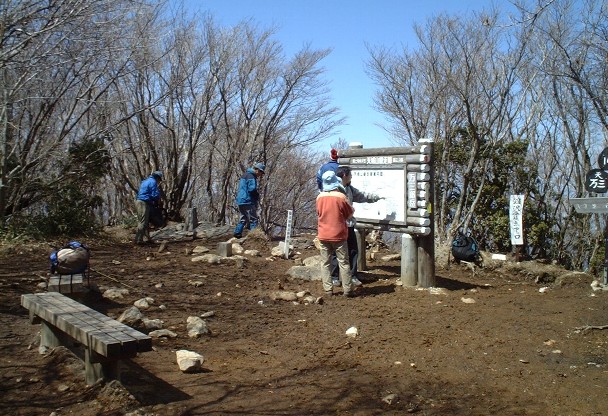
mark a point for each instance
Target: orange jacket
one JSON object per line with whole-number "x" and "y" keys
{"x": 333, "y": 210}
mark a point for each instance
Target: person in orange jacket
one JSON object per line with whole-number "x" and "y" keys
{"x": 333, "y": 210}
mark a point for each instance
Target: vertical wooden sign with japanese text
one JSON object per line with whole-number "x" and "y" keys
{"x": 516, "y": 209}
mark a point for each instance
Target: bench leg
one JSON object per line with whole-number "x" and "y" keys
{"x": 50, "y": 337}
{"x": 95, "y": 370}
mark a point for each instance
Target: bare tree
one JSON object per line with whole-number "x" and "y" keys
{"x": 457, "y": 89}
{"x": 164, "y": 111}
{"x": 270, "y": 107}
{"x": 57, "y": 61}
{"x": 566, "y": 78}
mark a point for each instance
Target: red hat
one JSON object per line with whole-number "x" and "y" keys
{"x": 333, "y": 154}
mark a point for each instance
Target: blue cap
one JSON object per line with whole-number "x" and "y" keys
{"x": 260, "y": 166}
{"x": 331, "y": 182}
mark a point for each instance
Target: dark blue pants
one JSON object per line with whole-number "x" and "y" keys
{"x": 353, "y": 255}
{"x": 249, "y": 218}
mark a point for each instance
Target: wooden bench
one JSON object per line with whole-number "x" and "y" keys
{"x": 105, "y": 340}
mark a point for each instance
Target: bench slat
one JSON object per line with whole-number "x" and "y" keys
{"x": 131, "y": 339}
{"x": 93, "y": 329}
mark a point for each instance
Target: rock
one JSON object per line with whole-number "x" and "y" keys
{"x": 196, "y": 327}
{"x": 252, "y": 253}
{"x": 467, "y": 300}
{"x": 143, "y": 303}
{"x": 313, "y": 261}
{"x": 114, "y": 293}
{"x": 132, "y": 317}
{"x": 209, "y": 258}
{"x": 436, "y": 290}
{"x": 309, "y": 299}
{"x": 302, "y": 294}
{"x": 207, "y": 314}
{"x": 390, "y": 398}
{"x": 237, "y": 248}
{"x": 152, "y": 324}
{"x": 391, "y": 257}
{"x": 211, "y": 231}
{"x": 352, "y": 332}
{"x": 162, "y": 333}
{"x": 279, "y": 251}
{"x": 200, "y": 250}
{"x": 283, "y": 295}
{"x": 189, "y": 361}
{"x": 195, "y": 283}
{"x": 305, "y": 272}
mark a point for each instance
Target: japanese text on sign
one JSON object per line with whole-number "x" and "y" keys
{"x": 596, "y": 181}
{"x": 516, "y": 208}
{"x": 383, "y": 183}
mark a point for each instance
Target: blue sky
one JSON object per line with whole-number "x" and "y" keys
{"x": 345, "y": 27}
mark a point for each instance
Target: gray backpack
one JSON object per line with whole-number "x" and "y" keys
{"x": 73, "y": 258}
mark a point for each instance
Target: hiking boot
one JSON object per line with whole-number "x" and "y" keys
{"x": 238, "y": 235}
{"x": 349, "y": 294}
{"x": 356, "y": 282}
{"x": 336, "y": 282}
{"x": 329, "y": 293}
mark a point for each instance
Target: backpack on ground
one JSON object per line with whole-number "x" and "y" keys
{"x": 158, "y": 216}
{"x": 73, "y": 258}
{"x": 465, "y": 248}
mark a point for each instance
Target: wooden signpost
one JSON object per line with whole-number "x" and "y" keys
{"x": 403, "y": 177}
{"x": 596, "y": 181}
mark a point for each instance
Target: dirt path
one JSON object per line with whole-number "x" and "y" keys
{"x": 514, "y": 351}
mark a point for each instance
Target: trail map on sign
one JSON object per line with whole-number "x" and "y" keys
{"x": 386, "y": 183}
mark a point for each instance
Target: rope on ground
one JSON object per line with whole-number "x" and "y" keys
{"x": 588, "y": 327}
{"x": 114, "y": 279}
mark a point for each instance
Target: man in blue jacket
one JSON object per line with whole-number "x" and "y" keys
{"x": 248, "y": 197}
{"x": 147, "y": 197}
{"x": 331, "y": 165}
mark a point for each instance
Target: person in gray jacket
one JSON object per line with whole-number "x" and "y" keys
{"x": 353, "y": 195}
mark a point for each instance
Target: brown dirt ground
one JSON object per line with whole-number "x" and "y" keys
{"x": 515, "y": 351}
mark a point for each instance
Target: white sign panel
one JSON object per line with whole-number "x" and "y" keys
{"x": 387, "y": 183}
{"x": 590, "y": 205}
{"x": 516, "y": 209}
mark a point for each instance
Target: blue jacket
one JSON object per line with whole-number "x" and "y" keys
{"x": 331, "y": 165}
{"x": 148, "y": 190}
{"x": 247, "y": 193}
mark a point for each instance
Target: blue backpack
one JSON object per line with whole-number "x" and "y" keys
{"x": 465, "y": 248}
{"x": 73, "y": 258}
